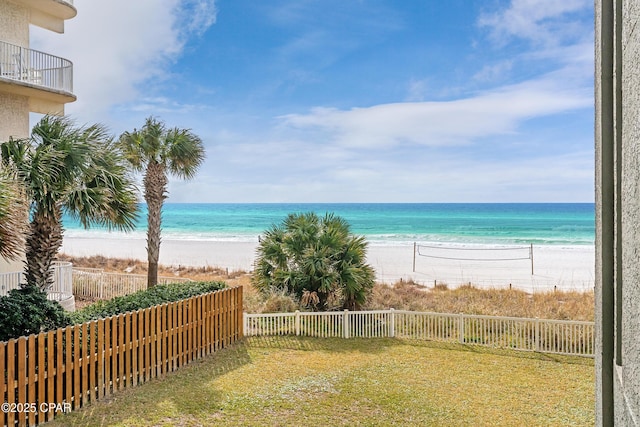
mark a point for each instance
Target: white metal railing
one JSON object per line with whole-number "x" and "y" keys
{"x": 61, "y": 289}
{"x": 35, "y": 67}
{"x": 96, "y": 283}
{"x": 9, "y": 281}
{"x": 541, "y": 335}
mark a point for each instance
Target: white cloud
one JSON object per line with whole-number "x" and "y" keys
{"x": 461, "y": 121}
{"x": 162, "y": 105}
{"x": 119, "y": 44}
{"x": 539, "y": 21}
{"x": 195, "y": 16}
{"x": 494, "y": 72}
{"x": 417, "y": 89}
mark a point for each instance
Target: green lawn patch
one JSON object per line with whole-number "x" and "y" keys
{"x": 288, "y": 381}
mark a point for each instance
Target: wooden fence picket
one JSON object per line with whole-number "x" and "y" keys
{"x": 32, "y": 375}
{"x": 11, "y": 385}
{"x": 216, "y": 322}
{"x": 100, "y": 357}
{"x": 3, "y": 385}
{"x": 22, "y": 376}
{"x": 51, "y": 349}
{"x": 67, "y": 392}
{"x": 45, "y": 382}
{"x": 158, "y": 333}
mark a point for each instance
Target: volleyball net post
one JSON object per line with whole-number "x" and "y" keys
{"x": 414, "y": 256}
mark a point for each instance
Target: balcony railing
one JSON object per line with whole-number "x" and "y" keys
{"x": 61, "y": 289}
{"x": 35, "y": 67}
{"x": 96, "y": 283}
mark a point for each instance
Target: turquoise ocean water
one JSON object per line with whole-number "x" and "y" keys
{"x": 381, "y": 223}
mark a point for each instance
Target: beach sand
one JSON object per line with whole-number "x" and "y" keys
{"x": 562, "y": 267}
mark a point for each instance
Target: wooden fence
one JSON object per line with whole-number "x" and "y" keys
{"x": 65, "y": 369}
{"x": 547, "y": 336}
{"x": 98, "y": 284}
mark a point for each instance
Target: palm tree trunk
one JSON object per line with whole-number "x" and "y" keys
{"x": 155, "y": 184}
{"x": 44, "y": 239}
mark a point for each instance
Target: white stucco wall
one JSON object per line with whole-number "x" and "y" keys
{"x": 14, "y": 116}
{"x": 14, "y": 110}
{"x": 618, "y": 174}
{"x": 14, "y": 122}
{"x": 628, "y": 373}
{"x": 14, "y": 23}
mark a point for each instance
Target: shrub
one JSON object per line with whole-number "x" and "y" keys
{"x": 27, "y": 311}
{"x": 317, "y": 259}
{"x": 157, "y": 295}
{"x": 279, "y": 301}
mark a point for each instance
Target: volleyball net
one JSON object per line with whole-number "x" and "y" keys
{"x": 500, "y": 255}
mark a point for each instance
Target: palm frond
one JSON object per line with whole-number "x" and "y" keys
{"x": 185, "y": 152}
{"x": 14, "y": 214}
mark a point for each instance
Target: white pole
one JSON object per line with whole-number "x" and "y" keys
{"x": 392, "y": 324}
{"x": 531, "y": 256}
{"x": 414, "y": 257}
{"x": 345, "y": 324}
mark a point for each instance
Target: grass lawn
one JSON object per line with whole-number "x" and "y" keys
{"x": 288, "y": 381}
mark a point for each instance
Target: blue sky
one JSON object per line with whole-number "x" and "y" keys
{"x": 349, "y": 100}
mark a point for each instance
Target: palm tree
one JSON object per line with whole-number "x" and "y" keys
{"x": 13, "y": 217}
{"x": 157, "y": 151}
{"x": 317, "y": 259}
{"x": 65, "y": 168}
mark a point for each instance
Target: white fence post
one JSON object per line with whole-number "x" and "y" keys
{"x": 392, "y": 323}
{"x": 345, "y": 324}
{"x": 537, "y": 337}
{"x": 531, "y": 256}
{"x": 245, "y": 323}
{"x": 101, "y": 284}
{"x": 461, "y": 327}
{"x": 297, "y": 322}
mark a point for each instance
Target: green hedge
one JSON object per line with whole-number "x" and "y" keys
{"x": 157, "y": 295}
{"x": 27, "y": 311}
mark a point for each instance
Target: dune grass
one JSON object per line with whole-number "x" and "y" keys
{"x": 559, "y": 305}
{"x": 289, "y": 381}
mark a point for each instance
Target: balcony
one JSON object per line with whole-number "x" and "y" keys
{"x": 50, "y": 14}
{"x": 61, "y": 290}
{"x": 46, "y": 79}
